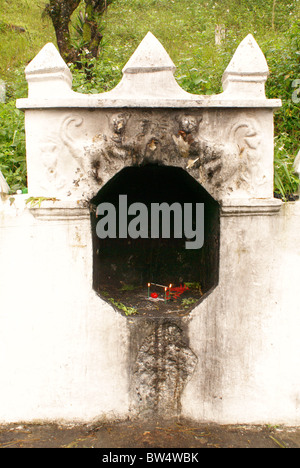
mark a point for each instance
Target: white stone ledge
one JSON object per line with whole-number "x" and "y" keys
{"x": 56, "y": 213}
{"x": 55, "y": 210}
{"x": 252, "y": 207}
{"x": 44, "y": 209}
{"x": 59, "y": 210}
{"x": 52, "y": 209}
{"x": 94, "y": 102}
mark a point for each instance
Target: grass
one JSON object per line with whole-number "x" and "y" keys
{"x": 185, "y": 28}
{"x": 18, "y": 48}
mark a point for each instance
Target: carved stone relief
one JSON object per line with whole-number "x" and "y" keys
{"x": 246, "y": 139}
{"x": 227, "y": 162}
{"x": 75, "y": 146}
{"x": 49, "y": 151}
{"x": 223, "y": 161}
{"x": 69, "y": 141}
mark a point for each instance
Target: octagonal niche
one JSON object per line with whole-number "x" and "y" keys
{"x": 163, "y": 276}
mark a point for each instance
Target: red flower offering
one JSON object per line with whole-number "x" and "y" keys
{"x": 154, "y": 295}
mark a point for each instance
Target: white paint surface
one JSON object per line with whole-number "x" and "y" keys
{"x": 62, "y": 349}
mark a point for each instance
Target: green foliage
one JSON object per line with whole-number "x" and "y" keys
{"x": 127, "y": 310}
{"x": 37, "y": 201}
{"x": 187, "y": 303}
{"x": 128, "y": 287}
{"x": 95, "y": 75}
{"x": 12, "y": 136}
{"x": 12, "y": 146}
{"x": 18, "y": 48}
{"x": 285, "y": 180}
{"x": 284, "y": 63}
{"x": 193, "y": 286}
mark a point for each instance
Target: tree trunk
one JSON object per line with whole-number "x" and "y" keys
{"x": 94, "y": 10}
{"x": 219, "y": 34}
{"x": 60, "y": 12}
{"x": 91, "y": 31}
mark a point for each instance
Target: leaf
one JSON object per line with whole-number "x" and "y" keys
{"x": 281, "y": 444}
{"x": 199, "y": 80}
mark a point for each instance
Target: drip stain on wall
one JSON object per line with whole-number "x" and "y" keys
{"x": 161, "y": 364}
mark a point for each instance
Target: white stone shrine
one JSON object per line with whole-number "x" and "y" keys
{"x": 66, "y": 353}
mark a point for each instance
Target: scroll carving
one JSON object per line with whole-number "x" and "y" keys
{"x": 69, "y": 141}
{"x": 245, "y": 139}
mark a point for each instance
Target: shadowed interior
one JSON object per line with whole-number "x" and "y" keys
{"x": 124, "y": 267}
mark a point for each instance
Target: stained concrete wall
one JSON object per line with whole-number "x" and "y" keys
{"x": 62, "y": 349}
{"x": 66, "y": 355}
{"x": 246, "y": 333}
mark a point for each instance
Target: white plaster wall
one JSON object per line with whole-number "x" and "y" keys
{"x": 246, "y": 333}
{"x": 62, "y": 349}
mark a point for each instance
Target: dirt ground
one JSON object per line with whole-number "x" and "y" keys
{"x": 147, "y": 435}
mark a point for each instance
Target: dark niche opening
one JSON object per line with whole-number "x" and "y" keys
{"x": 155, "y": 276}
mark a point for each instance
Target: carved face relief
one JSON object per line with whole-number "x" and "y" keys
{"x": 188, "y": 123}
{"x": 119, "y": 123}
{"x": 187, "y": 134}
{"x": 49, "y": 157}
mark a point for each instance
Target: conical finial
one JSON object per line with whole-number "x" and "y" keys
{"x": 150, "y": 56}
{"x": 149, "y": 74}
{"x": 247, "y": 71}
{"x": 47, "y": 74}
